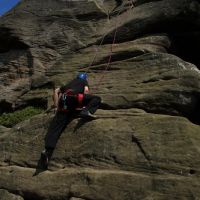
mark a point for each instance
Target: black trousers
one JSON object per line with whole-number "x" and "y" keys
{"x": 62, "y": 119}
{"x": 91, "y": 102}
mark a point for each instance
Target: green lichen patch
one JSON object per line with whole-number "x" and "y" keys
{"x": 11, "y": 119}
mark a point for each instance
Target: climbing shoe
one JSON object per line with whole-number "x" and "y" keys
{"x": 86, "y": 114}
{"x": 44, "y": 159}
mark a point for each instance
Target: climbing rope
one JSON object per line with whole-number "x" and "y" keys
{"x": 131, "y": 5}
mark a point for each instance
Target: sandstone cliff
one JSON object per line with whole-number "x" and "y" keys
{"x": 145, "y": 142}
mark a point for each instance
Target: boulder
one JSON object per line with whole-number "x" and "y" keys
{"x": 123, "y": 154}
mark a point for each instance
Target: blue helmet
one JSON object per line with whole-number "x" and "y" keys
{"x": 82, "y": 75}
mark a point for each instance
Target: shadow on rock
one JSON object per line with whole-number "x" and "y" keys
{"x": 83, "y": 121}
{"x": 43, "y": 162}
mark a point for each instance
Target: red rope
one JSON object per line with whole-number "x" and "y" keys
{"x": 108, "y": 63}
{"x": 101, "y": 44}
{"x": 111, "y": 52}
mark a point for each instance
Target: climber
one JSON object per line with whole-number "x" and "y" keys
{"x": 67, "y": 99}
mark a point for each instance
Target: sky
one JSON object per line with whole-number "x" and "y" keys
{"x": 6, "y": 5}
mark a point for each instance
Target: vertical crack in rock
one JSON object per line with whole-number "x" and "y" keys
{"x": 136, "y": 141}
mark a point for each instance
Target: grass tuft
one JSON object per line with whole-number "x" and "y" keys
{"x": 11, "y": 119}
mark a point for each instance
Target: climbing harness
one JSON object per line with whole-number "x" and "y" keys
{"x": 66, "y": 98}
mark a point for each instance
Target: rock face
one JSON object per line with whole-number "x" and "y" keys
{"x": 8, "y": 196}
{"x": 145, "y": 142}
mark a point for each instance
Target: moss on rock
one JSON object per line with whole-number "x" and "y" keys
{"x": 10, "y": 119}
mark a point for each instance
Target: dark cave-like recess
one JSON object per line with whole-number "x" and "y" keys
{"x": 8, "y": 41}
{"x": 187, "y": 47}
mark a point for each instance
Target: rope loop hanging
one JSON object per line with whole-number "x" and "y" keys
{"x": 131, "y": 5}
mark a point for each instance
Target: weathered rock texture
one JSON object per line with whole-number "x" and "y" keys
{"x": 145, "y": 142}
{"x": 5, "y": 195}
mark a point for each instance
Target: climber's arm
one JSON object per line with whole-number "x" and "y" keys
{"x": 56, "y": 97}
{"x": 86, "y": 90}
